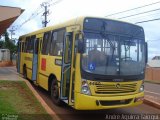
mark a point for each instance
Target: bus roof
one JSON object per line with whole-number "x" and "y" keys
{"x": 75, "y": 21}
{"x": 71, "y": 22}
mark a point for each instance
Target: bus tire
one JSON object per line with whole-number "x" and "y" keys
{"x": 55, "y": 93}
{"x": 24, "y": 72}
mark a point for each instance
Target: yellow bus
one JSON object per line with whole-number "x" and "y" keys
{"x": 89, "y": 63}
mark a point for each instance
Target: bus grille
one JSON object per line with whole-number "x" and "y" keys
{"x": 115, "y": 88}
{"x": 115, "y": 102}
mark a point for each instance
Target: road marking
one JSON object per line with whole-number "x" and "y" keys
{"x": 152, "y": 92}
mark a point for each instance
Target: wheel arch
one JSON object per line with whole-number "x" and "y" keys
{"x": 50, "y": 79}
{"x": 24, "y": 65}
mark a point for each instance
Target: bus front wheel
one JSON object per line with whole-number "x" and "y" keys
{"x": 55, "y": 93}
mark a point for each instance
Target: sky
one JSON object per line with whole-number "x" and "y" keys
{"x": 68, "y": 9}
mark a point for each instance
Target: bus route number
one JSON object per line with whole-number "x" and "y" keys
{"x": 94, "y": 83}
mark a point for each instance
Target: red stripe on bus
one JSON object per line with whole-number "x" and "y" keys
{"x": 43, "y": 64}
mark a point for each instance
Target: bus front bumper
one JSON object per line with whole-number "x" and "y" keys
{"x": 86, "y": 102}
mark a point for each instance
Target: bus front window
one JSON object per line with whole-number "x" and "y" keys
{"x": 112, "y": 55}
{"x": 132, "y": 56}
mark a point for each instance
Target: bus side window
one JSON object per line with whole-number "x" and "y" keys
{"x": 57, "y": 43}
{"x": 53, "y": 43}
{"x": 46, "y": 43}
{"x": 23, "y": 43}
{"x": 20, "y": 46}
{"x": 32, "y": 43}
{"x": 27, "y": 45}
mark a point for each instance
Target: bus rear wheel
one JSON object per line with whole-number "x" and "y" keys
{"x": 24, "y": 72}
{"x": 55, "y": 93}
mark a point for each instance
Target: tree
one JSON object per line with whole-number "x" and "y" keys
{"x": 2, "y": 44}
{"x": 9, "y": 44}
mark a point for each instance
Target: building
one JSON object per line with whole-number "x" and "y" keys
{"x": 153, "y": 69}
{"x": 4, "y": 55}
{"x": 155, "y": 62}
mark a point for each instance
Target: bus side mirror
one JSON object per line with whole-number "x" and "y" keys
{"x": 146, "y": 52}
{"x": 81, "y": 48}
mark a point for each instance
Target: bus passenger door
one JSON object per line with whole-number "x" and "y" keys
{"x": 35, "y": 59}
{"x": 18, "y": 56}
{"x": 66, "y": 75}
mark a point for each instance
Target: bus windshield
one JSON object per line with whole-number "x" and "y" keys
{"x": 111, "y": 54}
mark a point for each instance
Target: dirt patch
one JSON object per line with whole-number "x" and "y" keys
{"x": 3, "y": 88}
{"x": 6, "y": 64}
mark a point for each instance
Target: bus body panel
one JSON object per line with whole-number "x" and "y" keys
{"x": 78, "y": 74}
{"x": 85, "y": 102}
{"x": 46, "y": 68}
{"x": 28, "y": 62}
{"x": 22, "y": 62}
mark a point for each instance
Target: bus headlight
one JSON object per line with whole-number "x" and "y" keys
{"x": 141, "y": 89}
{"x": 85, "y": 88}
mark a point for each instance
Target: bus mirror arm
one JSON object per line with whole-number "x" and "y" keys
{"x": 146, "y": 52}
{"x": 81, "y": 46}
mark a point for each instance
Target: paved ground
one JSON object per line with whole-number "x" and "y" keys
{"x": 66, "y": 113}
{"x": 9, "y": 73}
{"x": 152, "y": 91}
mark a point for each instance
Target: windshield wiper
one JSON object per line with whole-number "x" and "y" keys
{"x": 107, "y": 40}
{"x": 112, "y": 46}
{"x": 104, "y": 35}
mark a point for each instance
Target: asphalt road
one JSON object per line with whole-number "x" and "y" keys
{"x": 152, "y": 89}
{"x": 67, "y": 113}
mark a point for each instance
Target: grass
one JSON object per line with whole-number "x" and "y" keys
{"x": 17, "y": 99}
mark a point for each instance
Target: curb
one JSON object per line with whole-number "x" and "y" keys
{"x": 42, "y": 102}
{"x": 152, "y": 82}
{"x": 152, "y": 103}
